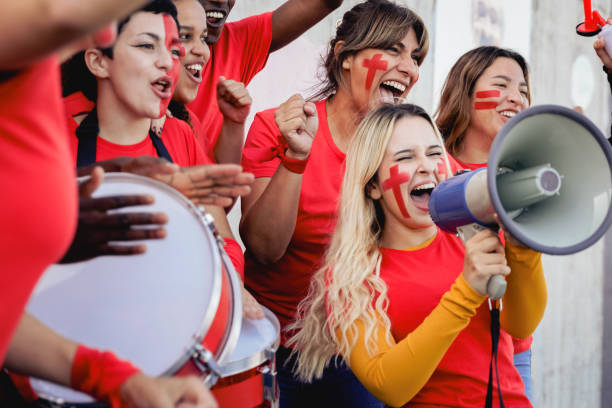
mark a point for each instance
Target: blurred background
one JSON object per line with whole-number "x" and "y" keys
{"x": 572, "y": 348}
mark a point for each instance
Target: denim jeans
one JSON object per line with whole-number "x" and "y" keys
{"x": 522, "y": 362}
{"x": 337, "y": 388}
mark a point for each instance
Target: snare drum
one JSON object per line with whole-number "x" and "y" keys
{"x": 175, "y": 310}
{"x": 248, "y": 379}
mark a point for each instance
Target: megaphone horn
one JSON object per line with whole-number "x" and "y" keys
{"x": 549, "y": 179}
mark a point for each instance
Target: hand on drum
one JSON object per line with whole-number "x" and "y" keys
{"x": 250, "y": 307}
{"x": 213, "y": 184}
{"x": 140, "y": 391}
{"x": 97, "y": 227}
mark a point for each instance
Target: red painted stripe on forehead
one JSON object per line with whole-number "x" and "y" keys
{"x": 485, "y": 105}
{"x": 488, "y": 94}
{"x": 393, "y": 183}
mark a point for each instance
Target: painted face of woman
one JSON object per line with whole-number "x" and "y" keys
{"x": 412, "y": 166}
{"x": 145, "y": 66}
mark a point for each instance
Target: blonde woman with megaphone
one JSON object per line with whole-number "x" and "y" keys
{"x": 402, "y": 301}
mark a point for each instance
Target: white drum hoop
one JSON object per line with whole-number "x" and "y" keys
{"x": 203, "y": 358}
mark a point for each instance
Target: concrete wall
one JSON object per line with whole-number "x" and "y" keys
{"x": 569, "y": 343}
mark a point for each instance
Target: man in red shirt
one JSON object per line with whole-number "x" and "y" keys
{"x": 239, "y": 50}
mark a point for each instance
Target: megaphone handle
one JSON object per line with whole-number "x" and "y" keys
{"x": 496, "y": 287}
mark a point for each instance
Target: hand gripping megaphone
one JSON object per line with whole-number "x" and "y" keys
{"x": 549, "y": 179}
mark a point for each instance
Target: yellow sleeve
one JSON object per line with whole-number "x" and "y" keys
{"x": 397, "y": 372}
{"x": 526, "y": 296}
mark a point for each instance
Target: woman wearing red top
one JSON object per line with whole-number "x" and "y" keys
{"x": 402, "y": 301}
{"x": 288, "y": 219}
{"x": 39, "y": 214}
{"x": 483, "y": 90}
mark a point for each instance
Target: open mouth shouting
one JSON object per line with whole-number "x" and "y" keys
{"x": 420, "y": 195}
{"x": 162, "y": 87}
{"x": 215, "y": 18}
{"x": 392, "y": 90}
{"x": 194, "y": 71}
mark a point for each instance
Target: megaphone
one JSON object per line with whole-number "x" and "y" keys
{"x": 549, "y": 179}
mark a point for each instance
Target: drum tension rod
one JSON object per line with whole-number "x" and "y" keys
{"x": 205, "y": 361}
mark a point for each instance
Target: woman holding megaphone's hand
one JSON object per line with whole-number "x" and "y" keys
{"x": 403, "y": 301}
{"x": 602, "y": 49}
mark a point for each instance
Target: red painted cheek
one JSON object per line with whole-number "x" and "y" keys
{"x": 373, "y": 65}
{"x": 483, "y": 105}
{"x": 171, "y": 41}
{"x": 393, "y": 183}
{"x": 442, "y": 171}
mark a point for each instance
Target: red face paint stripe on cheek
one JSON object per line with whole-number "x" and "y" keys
{"x": 171, "y": 40}
{"x": 442, "y": 169}
{"x": 488, "y": 94}
{"x": 374, "y": 64}
{"x": 485, "y": 105}
{"x": 393, "y": 183}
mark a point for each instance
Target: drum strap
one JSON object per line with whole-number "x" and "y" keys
{"x": 87, "y": 133}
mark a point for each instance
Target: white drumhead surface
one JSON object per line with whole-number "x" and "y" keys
{"x": 255, "y": 337}
{"x": 145, "y": 308}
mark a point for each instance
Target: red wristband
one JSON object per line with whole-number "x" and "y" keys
{"x": 100, "y": 374}
{"x": 293, "y": 165}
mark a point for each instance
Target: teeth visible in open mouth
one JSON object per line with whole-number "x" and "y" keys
{"x": 162, "y": 85}
{"x": 399, "y": 87}
{"x": 508, "y": 114}
{"x": 194, "y": 69}
{"x": 214, "y": 14}
{"x": 427, "y": 186}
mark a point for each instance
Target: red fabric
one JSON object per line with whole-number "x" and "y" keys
{"x": 416, "y": 281}
{"x": 241, "y": 52}
{"x": 196, "y": 126}
{"x": 520, "y": 345}
{"x": 38, "y": 210}
{"x": 234, "y": 252}
{"x": 100, "y": 374}
{"x": 281, "y": 285}
{"x": 266, "y": 154}
{"x": 177, "y": 137}
{"x": 77, "y": 104}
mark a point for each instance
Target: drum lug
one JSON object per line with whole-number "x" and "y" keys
{"x": 209, "y": 221}
{"x": 270, "y": 382}
{"x": 205, "y": 361}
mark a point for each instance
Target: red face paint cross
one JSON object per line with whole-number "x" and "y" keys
{"x": 373, "y": 65}
{"x": 393, "y": 183}
{"x": 172, "y": 44}
{"x": 490, "y": 104}
{"x": 442, "y": 171}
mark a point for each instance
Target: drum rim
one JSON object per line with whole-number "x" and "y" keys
{"x": 259, "y": 357}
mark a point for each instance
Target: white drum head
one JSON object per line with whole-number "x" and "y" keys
{"x": 257, "y": 339}
{"x": 149, "y": 309}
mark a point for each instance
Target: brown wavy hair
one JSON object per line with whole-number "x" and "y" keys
{"x": 371, "y": 24}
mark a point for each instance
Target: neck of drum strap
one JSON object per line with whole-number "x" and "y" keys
{"x": 87, "y": 135}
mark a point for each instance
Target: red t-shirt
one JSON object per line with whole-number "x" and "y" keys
{"x": 520, "y": 345}
{"x": 283, "y": 284}
{"x": 241, "y": 52}
{"x": 416, "y": 281}
{"x": 38, "y": 211}
{"x": 177, "y": 137}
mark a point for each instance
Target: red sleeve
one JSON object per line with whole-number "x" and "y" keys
{"x": 235, "y": 254}
{"x": 263, "y": 136}
{"x": 100, "y": 374}
{"x": 251, "y": 37}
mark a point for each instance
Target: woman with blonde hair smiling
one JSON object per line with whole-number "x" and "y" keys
{"x": 402, "y": 301}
